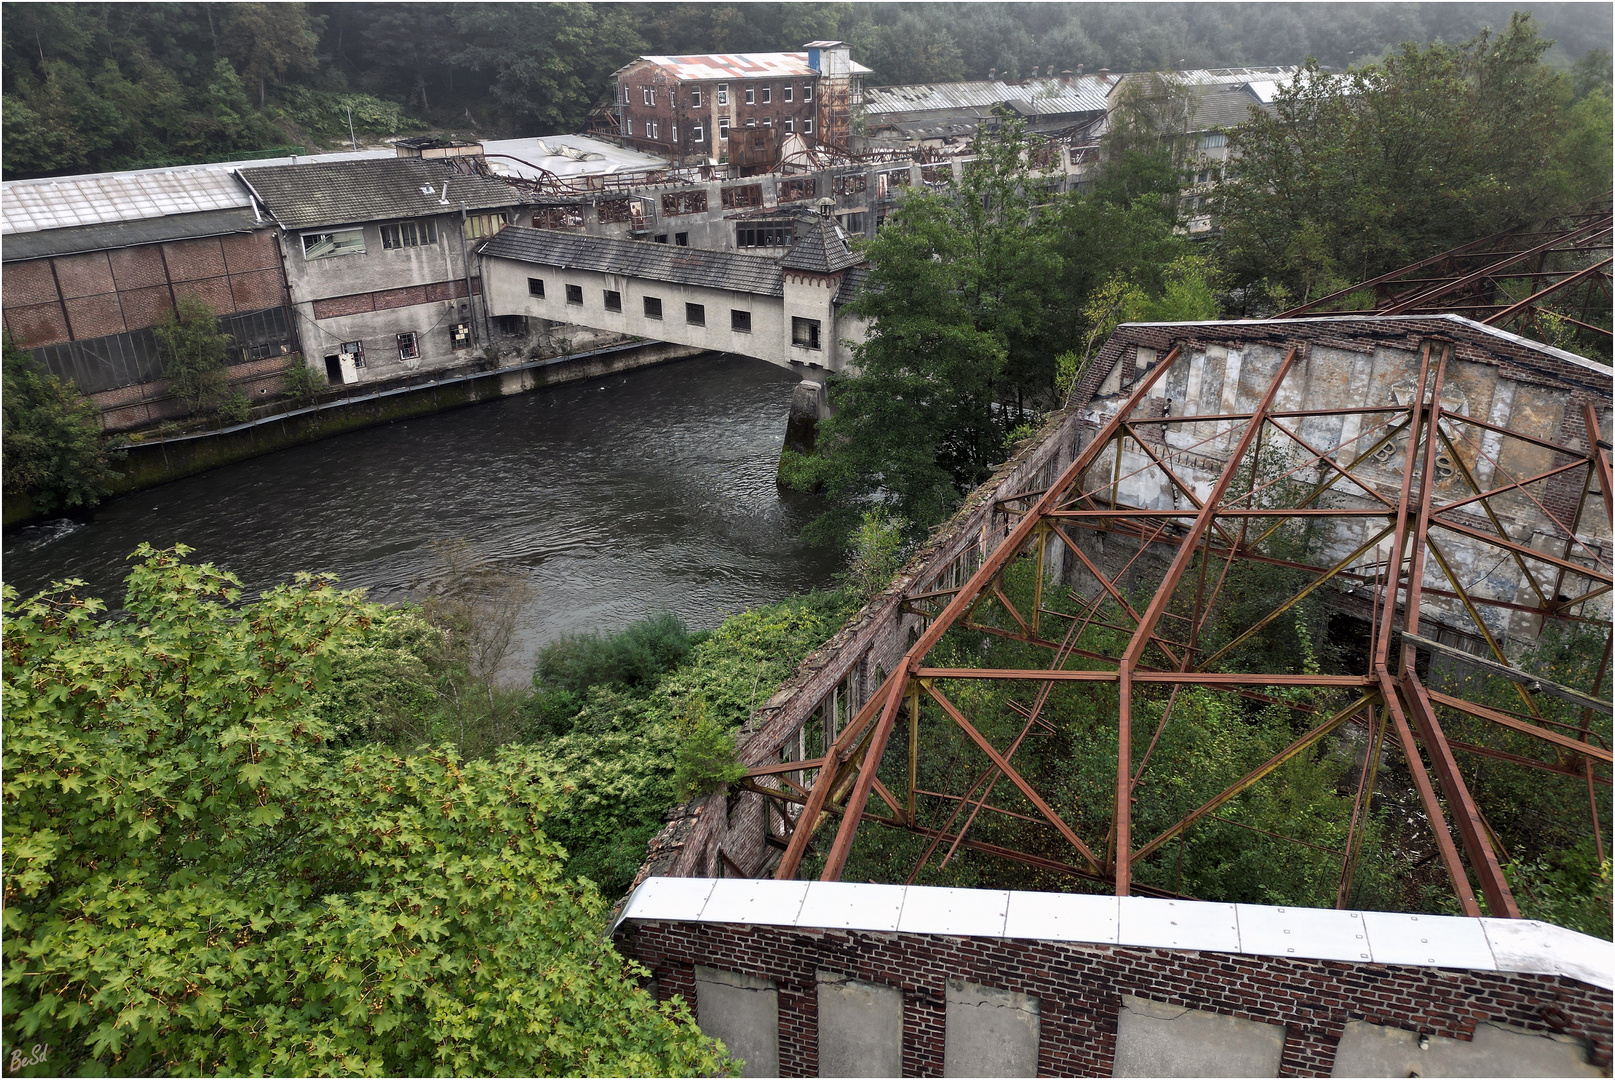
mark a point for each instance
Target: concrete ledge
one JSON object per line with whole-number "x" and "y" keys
{"x": 1443, "y": 941}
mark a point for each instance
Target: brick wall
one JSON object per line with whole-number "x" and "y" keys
{"x": 357, "y": 303}
{"x": 1080, "y": 988}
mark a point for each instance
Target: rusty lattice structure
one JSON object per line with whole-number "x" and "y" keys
{"x": 1465, "y": 448}
{"x": 1505, "y": 280}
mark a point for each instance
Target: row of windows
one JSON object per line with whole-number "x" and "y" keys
{"x": 647, "y": 94}
{"x": 652, "y": 129}
{"x": 398, "y": 234}
{"x": 804, "y": 332}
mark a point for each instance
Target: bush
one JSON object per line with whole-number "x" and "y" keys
{"x": 875, "y": 555}
{"x": 302, "y": 383}
{"x": 633, "y": 657}
{"x": 55, "y": 451}
{"x": 194, "y": 353}
{"x": 706, "y": 755}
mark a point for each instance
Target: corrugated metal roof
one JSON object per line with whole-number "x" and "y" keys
{"x": 348, "y": 192}
{"x": 67, "y": 201}
{"x": 1085, "y": 93}
{"x": 567, "y": 156}
{"x": 741, "y": 66}
{"x": 754, "y": 274}
{"x": 122, "y": 234}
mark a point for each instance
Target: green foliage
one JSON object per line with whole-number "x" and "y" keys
{"x": 302, "y": 383}
{"x": 1569, "y": 888}
{"x": 706, "y": 758}
{"x": 1354, "y": 175}
{"x": 54, "y": 449}
{"x": 196, "y": 883}
{"x": 323, "y": 115}
{"x": 633, "y": 657}
{"x": 876, "y": 553}
{"x": 195, "y": 354}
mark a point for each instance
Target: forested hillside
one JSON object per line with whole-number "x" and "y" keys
{"x": 103, "y": 86}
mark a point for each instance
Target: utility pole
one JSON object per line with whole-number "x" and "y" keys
{"x": 351, "y": 136}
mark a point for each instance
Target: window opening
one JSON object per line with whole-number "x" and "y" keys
{"x": 574, "y": 294}
{"x": 740, "y": 321}
{"x": 613, "y": 300}
{"x": 788, "y": 88}
{"x": 653, "y": 307}
{"x": 695, "y": 96}
{"x": 409, "y": 234}
{"x": 768, "y": 94}
{"x": 535, "y": 287}
{"x": 327, "y": 244}
{"x": 751, "y": 95}
{"x": 695, "y": 314}
{"x": 408, "y": 347}
{"x": 805, "y": 333}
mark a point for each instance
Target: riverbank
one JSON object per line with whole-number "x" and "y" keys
{"x": 150, "y": 462}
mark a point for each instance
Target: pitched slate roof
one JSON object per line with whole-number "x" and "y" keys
{"x": 753, "y": 274}
{"x": 823, "y": 248}
{"x": 349, "y": 192}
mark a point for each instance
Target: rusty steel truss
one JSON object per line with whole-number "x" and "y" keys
{"x": 1503, "y": 280}
{"x": 1410, "y": 526}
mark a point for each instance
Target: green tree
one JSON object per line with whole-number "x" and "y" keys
{"x": 269, "y": 41}
{"x": 195, "y": 353}
{"x": 55, "y": 451}
{"x": 197, "y": 883}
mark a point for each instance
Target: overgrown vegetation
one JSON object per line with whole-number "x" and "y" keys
{"x": 200, "y": 878}
{"x": 195, "y": 354}
{"x": 55, "y": 452}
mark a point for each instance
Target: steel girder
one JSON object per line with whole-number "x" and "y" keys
{"x": 1405, "y": 530}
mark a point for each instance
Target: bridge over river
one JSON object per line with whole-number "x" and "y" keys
{"x": 789, "y": 311}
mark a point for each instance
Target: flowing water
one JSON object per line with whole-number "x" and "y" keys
{"x": 615, "y": 498}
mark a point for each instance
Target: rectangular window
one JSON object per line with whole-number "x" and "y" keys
{"x": 653, "y": 307}
{"x": 660, "y": 238}
{"x": 460, "y": 336}
{"x": 574, "y": 294}
{"x": 698, "y": 133}
{"x": 613, "y": 300}
{"x": 788, "y": 89}
{"x": 408, "y": 349}
{"x": 723, "y": 93}
{"x": 695, "y": 314}
{"x": 479, "y": 225}
{"x": 326, "y": 244}
{"x": 409, "y": 234}
{"x": 768, "y": 121}
{"x": 656, "y": 129}
{"x": 695, "y": 96}
{"x": 723, "y": 128}
{"x": 739, "y": 321}
{"x": 751, "y": 121}
{"x": 768, "y": 94}
{"x": 675, "y": 133}
{"x": 354, "y": 350}
{"x": 511, "y": 325}
{"x": 628, "y": 125}
{"x": 751, "y": 95}
{"x": 807, "y": 91}
{"x": 807, "y": 126}
{"x": 681, "y": 239}
{"x": 790, "y": 125}
{"x": 805, "y": 333}
{"x": 535, "y": 287}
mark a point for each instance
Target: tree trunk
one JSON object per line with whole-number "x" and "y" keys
{"x": 261, "y": 93}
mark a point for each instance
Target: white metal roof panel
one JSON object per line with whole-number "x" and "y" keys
{"x": 1062, "y": 917}
{"x": 847, "y": 906}
{"x": 965, "y": 912}
{"x": 1314, "y": 933}
{"x": 1395, "y": 937}
{"x": 740, "y": 900}
{"x": 741, "y": 66}
{"x": 1085, "y": 93}
{"x": 1178, "y": 924}
{"x": 1528, "y": 945}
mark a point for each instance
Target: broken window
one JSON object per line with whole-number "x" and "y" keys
{"x": 511, "y": 325}
{"x": 796, "y": 188}
{"x": 695, "y": 314}
{"x": 354, "y": 350}
{"x": 614, "y": 212}
{"x": 805, "y": 333}
{"x": 326, "y": 244}
{"x": 409, "y": 234}
{"x": 723, "y": 93}
{"x": 850, "y": 185}
{"x": 681, "y": 239}
{"x": 653, "y": 307}
{"x": 774, "y": 233}
{"x": 695, "y": 97}
{"x": 742, "y": 195}
{"x": 479, "y": 225}
{"x": 408, "y": 348}
{"x": 740, "y": 321}
{"x": 557, "y": 217}
{"x": 676, "y": 203}
{"x": 574, "y": 294}
{"x": 535, "y": 287}
{"x": 768, "y": 94}
{"x": 613, "y": 300}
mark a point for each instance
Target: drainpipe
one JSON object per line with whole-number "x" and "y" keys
{"x": 465, "y": 264}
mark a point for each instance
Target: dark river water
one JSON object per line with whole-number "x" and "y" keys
{"x": 615, "y": 498}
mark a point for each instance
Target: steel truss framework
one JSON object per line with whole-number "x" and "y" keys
{"x": 1424, "y": 525}
{"x": 1569, "y": 266}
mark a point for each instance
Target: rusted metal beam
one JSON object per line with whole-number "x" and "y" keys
{"x": 1481, "y": 712}
{"x": 1599, "y": 450}
{"x": 1514, "y": 675}
{"x": 1535, "y": 298}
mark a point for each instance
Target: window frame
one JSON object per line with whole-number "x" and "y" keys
{"x": 695, "y": 97}
{"x": 768, "y": 94}
{"x": 786, "y": 89}
{"x": 723, "y": 93}
{"x": 612, "y": 299}
{"x": 790, "y": 124}
{"x": 807, "y": 125}
{"x": 698, "y": 133}
{"x": 336, "y": 249}
{"x": 751, "y": 95}
{"x": 574, "y": 294}
{"x": 739, "y": 321}
{"x": 699, "y": 313}
{"x": 411, "y": 232}
{"x": 413, "y": 346}
{"x": 807, "y": 92}
{"x": 653, "y": 307}
{"x": 723, "y": 128}
{"x": 539, "y": 290}
{"x": 806, "y": 333}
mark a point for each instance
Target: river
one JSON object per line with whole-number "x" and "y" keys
{"x": 614, "y": 498}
